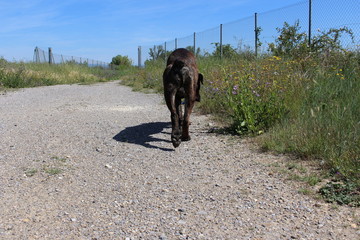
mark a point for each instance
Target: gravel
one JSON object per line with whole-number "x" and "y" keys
{"x": 96, "y": 162}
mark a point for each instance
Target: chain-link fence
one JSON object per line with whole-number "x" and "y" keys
{"x": 41, "y": 56}
{"x": 254, "y": 33}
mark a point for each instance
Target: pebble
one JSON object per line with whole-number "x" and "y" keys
{"x": 108, "y": 166}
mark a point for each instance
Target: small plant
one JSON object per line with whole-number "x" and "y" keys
{"x": 343, "y": 193}
{"x": 312, "y": 179}
{"x": 305, "y": 191}
{"x": 30, "y": 172}
{"x": 59, "y": 159}
{"x": 52, "y": 171}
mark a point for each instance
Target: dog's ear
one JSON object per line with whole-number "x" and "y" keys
{"x": 201, "y": 78}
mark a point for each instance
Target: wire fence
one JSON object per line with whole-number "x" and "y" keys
{"x": 41, "y": 56}
{"x": 255, "y": 33}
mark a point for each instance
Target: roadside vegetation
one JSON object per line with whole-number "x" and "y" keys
{"x": 298, "y": 98}
{"x": 21, "y": 75}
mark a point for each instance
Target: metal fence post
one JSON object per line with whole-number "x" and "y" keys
{"x": 221, "y": 45}
{"x": 194, "y": 43}
{"x": 50, "y": 56}
{"x": 139, "y": 56}
{"x": 310, "y": 23}
{"x": 256, "y": 36}
{"x": 37, "y": 55}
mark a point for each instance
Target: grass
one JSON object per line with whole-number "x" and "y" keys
{"x": 54, "y": 166}
{"x": 21, "y": 75}
{"x": 326, "y": 125}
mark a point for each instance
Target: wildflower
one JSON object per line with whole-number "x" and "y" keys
{"x": 255, "y": 93}
{"x": 235, "y": 88}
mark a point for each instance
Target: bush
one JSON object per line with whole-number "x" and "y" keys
{"x": 121, "y": 61}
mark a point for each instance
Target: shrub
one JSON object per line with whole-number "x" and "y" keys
{"x": 121, "y": 61}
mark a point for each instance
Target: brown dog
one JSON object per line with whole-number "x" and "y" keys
{"x": 181, "y": 80}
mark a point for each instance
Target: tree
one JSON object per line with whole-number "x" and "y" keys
{"x": 291, "y": 42}
{"x": 157, "y": 52}
{"x": 294, "y": 43}
{"x": 227, "y": 51}
{"x": 121, "y": 61}
{"x": 191, "y": 49}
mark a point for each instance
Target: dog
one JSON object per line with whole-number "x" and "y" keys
{"x": 181, "y": 80}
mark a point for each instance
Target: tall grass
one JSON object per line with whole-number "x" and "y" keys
{"x": 20, "y": 75}
{"x": 325, "y": 125}
{"x": 146, "y": 79}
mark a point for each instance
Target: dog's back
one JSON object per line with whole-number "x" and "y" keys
{"x": 181, "y": 71}
{"x": 182, "y": 55}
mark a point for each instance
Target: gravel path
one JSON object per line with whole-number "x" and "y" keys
{"x": 95, "y": 162}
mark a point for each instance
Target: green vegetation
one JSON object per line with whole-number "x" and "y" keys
{"x": 301, "y": 99}
{"x": 342, "y": 193}
{"x": 20, "y": 75}
{"x": 54, "y": 166}
{"x": 121, "y": 61}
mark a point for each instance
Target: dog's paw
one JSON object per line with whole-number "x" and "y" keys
{"x": 185, "y": 138}
{"x": 176, "y": 138}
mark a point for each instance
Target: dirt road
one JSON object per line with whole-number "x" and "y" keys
{"x": 95, "y": 162}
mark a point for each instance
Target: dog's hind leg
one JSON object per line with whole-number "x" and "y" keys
{"x": 189, "y": 104}
{"x": 176, "y": 132}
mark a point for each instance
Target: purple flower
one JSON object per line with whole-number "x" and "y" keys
{"x": 255, "y": 93}
{"x": 235, "y": 88}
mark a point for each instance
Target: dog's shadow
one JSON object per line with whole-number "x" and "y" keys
{"x": 142, "y": 135}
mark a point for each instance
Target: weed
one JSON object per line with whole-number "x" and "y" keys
{"x": 342, "y": 193}
{"x": 52, "y": 171}
{"x": 59, "y": 159}
{"x": 30, "y": 172}
{"x": 305, "y": 191}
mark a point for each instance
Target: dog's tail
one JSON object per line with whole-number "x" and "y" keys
{"x": 180, "y": 68}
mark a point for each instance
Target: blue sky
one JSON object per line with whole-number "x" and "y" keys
{"x": 102, "y": 29}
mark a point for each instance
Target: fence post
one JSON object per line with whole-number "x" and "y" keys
{"x": 139, "y": 56}
{"x": 194, "y": 43}
{"x": 37, "y": 55}
{"x": 50, "y": 56}
{"x": 165, "y": 51}
{"x": 221, "y": 40}
{"x": 256, "y": 36}
{"x": 175, "y": 43}
{"x": 310, "y": 22}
